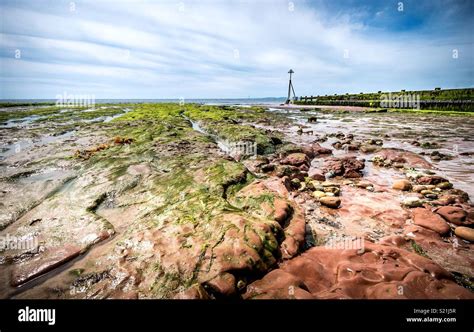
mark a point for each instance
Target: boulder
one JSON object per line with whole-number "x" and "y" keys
{"x": 425, "y": 218}
{"x": 296, "y": 159}
{"x": 403, "y": 185}
{"x": 453, "y": 214}
{"x": 408, "y": 158}
{"x": 369, "y": 148}
{"x": 418, "y": 188}
{"x": 412, "y": 202}
{"x": 433, "y": 179}
{"x": 465, "y": 233}
{"x": 444, "y": 185}
{"x": 349, "y": 167}
{"x": 318, "y": 149}
{"x": 373, "y": 272}
{"x": 332, "y": 202}
{"x": 316, "y": 174}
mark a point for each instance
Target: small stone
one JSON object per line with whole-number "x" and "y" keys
{"x": 295, "y": 183}
{"x": 404, "y": 185}
{"x": 445, "y": 200}
{"x": 337, "y": 145}
{"x": 318, "y": 194}
{"x": 426, "y": 192}
{"x": 303, "y": 168}
{"x": 418, "y": 188}
{"x": 267, "y": 168}
{"x": 461, "y": 195}
{"x": 368, "y": 148}
{"x": 412, "y": 202}
{"x": 302, "y": 186}
{"x": 330, "y": 184}
{"x": 282, "y": 171}
{"x": 334, "y": 190}
{"x": 364, "y": 184}
{"x": 295, "y": 159}
{"x": 316, "y": 174}
{"x": 444, "y": 185}
{"x": 465, "y": 233}
{"x": 318, "y": 149}
{"x": 332, "y": 202}
{"x": 241, "y": 284}
{"x": 314, "y": 185}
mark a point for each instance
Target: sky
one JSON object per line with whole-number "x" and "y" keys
{"x": 232, "y": 49}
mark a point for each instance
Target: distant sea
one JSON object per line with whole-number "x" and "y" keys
{"x": 208, "y": 101}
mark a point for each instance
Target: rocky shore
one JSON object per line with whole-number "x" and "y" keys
{"x": 145, "y": 201}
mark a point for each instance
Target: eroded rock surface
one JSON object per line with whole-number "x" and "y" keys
{"x": 375, "y": 272}
{"x": 156, "y": 204}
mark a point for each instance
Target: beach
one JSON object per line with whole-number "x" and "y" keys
{"x": 184, "y": 200}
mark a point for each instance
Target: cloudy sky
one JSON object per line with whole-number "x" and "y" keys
{"x": 236, "y": 49}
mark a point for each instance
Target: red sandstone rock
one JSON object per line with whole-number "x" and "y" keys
{"x": 426, "y": 218}
{"x": 332, "y": 202}
{"x": 379, "y": 272}
{"x": 316, "y": 174}
{"x": 286, "y": 213}
{"x": 444, "y": 200}
{"x": 195, "y": 292}
{"x": 402, "y": 185}
{"x": 452, "y": 255}
{"x": 44, "y": 263}
{"x": 434, "y": 179}
{"x": 453, "y": 214}
{"x": 411, "y": 159}
{"x": 349, "y": 167}
{"x": 318, "y": 149}
{"x": 295, "y": 159}
{"x": 223, "y": 284}
{"x": 294, "y": 235}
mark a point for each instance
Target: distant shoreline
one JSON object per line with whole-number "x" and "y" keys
{"x": 266, "y": 100}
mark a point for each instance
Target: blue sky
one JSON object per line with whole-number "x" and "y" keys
{"x": 235, "y": 49}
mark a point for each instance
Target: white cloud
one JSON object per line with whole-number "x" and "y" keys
{"x": 144, "y": 49}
